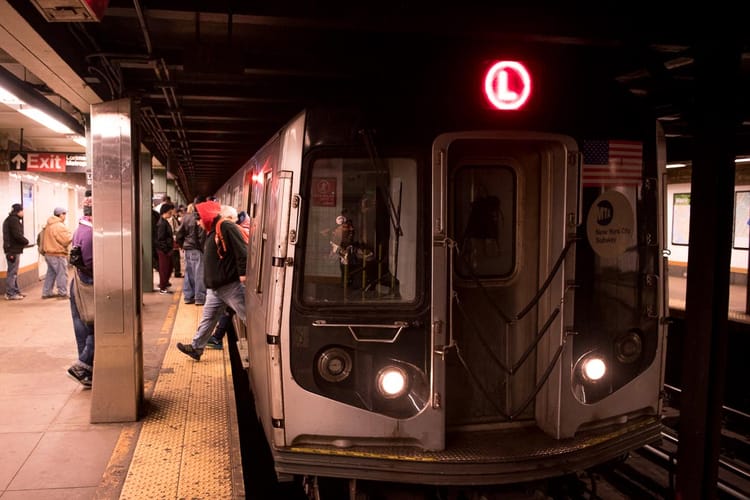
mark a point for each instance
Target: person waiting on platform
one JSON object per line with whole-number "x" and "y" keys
{"x": 83, "y": 369}
{"x": 13, "y": 244}
{"x": 165, "y": 246}
{"x": 56, "y": 240}
{"x": 225, "y": 258}
{"x": 175, "y": 222}
{"x": 155, "y": 216}
{"x": 191, "y": 238}
{"x": 243, "y": 220}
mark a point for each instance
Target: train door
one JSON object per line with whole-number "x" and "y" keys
{"x": 504, "y": 207}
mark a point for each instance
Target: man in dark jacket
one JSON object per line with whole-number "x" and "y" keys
{"x": 225, "y": 257}
{"x": 13, "y": 244}
{"x": 164, "y": 246}
{"x": 191, "y": 237}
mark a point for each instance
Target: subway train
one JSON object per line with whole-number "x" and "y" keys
{"x": 458, "y": 281}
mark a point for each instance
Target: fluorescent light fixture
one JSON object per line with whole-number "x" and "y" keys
{"x": 20, "y": 95}
{"x": 45, "y": 119}
{"x": 9, "y": 99}
{"x": 680, "y": 165}
{"x": 81, "y": 141}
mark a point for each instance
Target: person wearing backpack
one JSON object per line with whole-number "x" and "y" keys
{"x": 56, "y": 238}
{"x": 225, "y": 325}
{"x": 224, "y": 258}
{"x": 191, "y": 238}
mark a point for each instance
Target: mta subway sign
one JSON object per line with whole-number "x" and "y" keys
{"x": 58, "y": 163}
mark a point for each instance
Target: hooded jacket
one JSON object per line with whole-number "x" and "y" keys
{"x": 208, "y": 211}
{"x": 57, "y": 237}
{"x": 220, "y": 271}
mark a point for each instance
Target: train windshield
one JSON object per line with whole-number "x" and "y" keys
{"x": 361, "y": 231}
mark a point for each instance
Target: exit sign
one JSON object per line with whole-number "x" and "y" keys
{"x": 48, "y": 162}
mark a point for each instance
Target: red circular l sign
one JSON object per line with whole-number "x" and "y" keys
{"x": 507, "y": 85}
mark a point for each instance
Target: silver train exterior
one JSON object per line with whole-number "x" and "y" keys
{"x": 454, "y": 297}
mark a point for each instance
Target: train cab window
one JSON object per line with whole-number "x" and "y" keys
{"x": 484, "y": 221}
{"x": 361, "y": 231}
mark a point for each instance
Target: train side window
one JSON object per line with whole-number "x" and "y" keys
{"x": 484, "y": 221}
{"x": 263, "y": 234}
{"x": 361, "y": 231}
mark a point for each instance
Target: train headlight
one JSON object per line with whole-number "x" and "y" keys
{"x": 629, "y": 346}
{"x": 392, "y": 382}
{"x": 591, "y": 367}
{"x": 590, "y": 377}
{"x": 335, "y": 364}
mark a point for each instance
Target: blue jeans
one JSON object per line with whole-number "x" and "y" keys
{"x": 57, "y": 273}
{"x": 225, "y": 325}
{"x": 11, "y": 282}
{"x": 217, "y": 300}
{"x": 194, "y": 287}
{"x": 84, "y": 333}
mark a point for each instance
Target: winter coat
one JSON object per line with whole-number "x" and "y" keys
{"x": 13, "y": 239}
{"x": 245, "y": 227}
{"x": 190, "y": 234}
{"x": 227, "y": 268}
{"x": 164, "y": 238}
{"x": 57, "y": 237}
{"x": 84, "y": 238}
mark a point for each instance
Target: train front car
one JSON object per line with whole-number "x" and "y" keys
{"x": 466, "y": 297}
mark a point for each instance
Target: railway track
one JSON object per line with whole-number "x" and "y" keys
{"x": 650, "y": 472}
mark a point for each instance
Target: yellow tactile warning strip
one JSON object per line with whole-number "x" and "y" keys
{"x": 188, "y": 445}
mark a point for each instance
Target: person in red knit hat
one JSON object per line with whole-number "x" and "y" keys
{"x": 225, "y": 257}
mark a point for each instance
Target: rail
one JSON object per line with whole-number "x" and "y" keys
{"x": 734, "y": 472}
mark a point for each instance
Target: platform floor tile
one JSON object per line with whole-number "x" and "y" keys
{"x": 183, "y": 450}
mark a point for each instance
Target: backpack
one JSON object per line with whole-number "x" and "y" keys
{"x": 40, "y": 241}
{"x": 221, "y": 245}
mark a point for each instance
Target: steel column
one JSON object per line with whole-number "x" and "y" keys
{"x": 118, "y": 365}
{"x": 717, "y": 64}
{"x": 147, "y": 270}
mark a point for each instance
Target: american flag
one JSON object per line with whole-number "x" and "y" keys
{"x": 612, "y": 163}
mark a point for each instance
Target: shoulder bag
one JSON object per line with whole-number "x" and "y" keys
{"x": 84, "y": 297}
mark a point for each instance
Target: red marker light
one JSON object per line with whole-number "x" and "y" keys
{"x": 507, "y": 85}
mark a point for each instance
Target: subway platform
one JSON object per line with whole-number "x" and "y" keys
{"x": 737, "y": 295}
{"x": 185, "y": 445}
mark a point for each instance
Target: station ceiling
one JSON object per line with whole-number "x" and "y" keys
{"x": 214, "y": 80}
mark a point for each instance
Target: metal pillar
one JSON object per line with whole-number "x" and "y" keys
{"x": 717, "y": 65}
{"x": 159, "y": 180}
{"x": 147, "y": 271}
{"x": 118, "y": 365}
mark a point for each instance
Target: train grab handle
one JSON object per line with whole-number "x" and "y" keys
{"x": 396, "y": 325}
